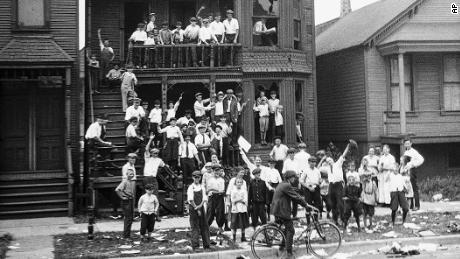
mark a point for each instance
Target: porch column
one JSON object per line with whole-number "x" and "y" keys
{"x": 402, "y": 99}
{"x": 212, "y": 85}
{"x": 402, "y": 94}
{"x": 248, "y": 114}
{"x": 164, "y": 93}
{"x": 287, "y": 93}
{"x": 68, "y": 142}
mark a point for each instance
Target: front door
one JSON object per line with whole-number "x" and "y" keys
{"x": 14, "y": 131}
{"x": 50, "y": 129}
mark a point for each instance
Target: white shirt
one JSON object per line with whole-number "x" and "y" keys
{"x": 131, "y": 131}
{"x": 138, "y": 36}
{"x": 124, "y": 171}
{"x": 290, "y": 165}
{"x": 181, "y": 34}
{"x": 200, "y": 109}
{"x": 262, "y": 109}
{"x": 416, "y": 159}
{"x": 155, "y": 115}
{"x": 133, "y": 112}
{"x": 199, "y": 139}
{"x": 151, "y": 166}
{"x": 301, "y": 158}
{"x": 171, "y": 113}
{"x": 192, "y": 151}
{"x": 128, "y": 80}
{"x": 237, "y": 195}
{"x": 217, "y": 28}
{"x": 279, "y": 153}
{"x": 270, "y": 175}
{"x": 273, "y": 104}
{"x": 196, "y": 188}
{"x": 278, "y": 118}
{"x": 219, "y": 108}
{"x": 149, "y": 203}
{"x": 171, "y": 131}
{"x": 94, "y": 130}
{"x": 150, "y": 26}
{"x": 337, "y": 171}
{"x": 397, "y": 182}
{"x": 232, "y": 185}
{"x": 149, "y": 41}
{"x": 191, "y": 32}
{"x": 259, "y": 27}
{"x": 226, "y": 130}
{"x": 387, "y": 162}
{"x": 311, "y": 176}
{"x": 184, "y": 121}
{"x": 231, "y": 26}
{"x": 205, "y": 34}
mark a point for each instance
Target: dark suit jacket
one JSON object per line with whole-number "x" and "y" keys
{"x": 282, "y": 199}
{"x": 233, "y": 108}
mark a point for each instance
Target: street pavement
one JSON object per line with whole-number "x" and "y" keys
{"x": 33, "y": 238}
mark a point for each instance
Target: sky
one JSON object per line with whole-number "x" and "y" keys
{"x": 325, "y": 10}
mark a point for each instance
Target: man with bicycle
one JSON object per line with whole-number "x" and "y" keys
{"x": 284, "y": 194}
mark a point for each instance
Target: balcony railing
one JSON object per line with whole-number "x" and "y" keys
{"x": 183, "y": 56}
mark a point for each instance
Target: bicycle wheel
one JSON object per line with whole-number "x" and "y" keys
{"x": 324, "y": 239}
{"x": 266, "y": 241}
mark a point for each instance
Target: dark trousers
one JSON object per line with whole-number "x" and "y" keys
{"x": 336, "y": 201}
{"x": 216, "y": 209}
{"x": 258, "y": 212}
{"x": 352, "y": 206}
{"x": 325, "y": 200}
{"x": 128, "y": 211}
{"x": 225, "y": 151}
{"x": 271, "y": 127}
{"x": 279, "y": 166}
{"x": 204, "y": 155}
{"x": 147, "y": 223}
{"x": 199, "y": 227}
{"x": 288, "y": 232}
{"x": 133, "y": 144}
{"x": 188, "y": 166}
{"x": 413, "y": 181}
{"x": 295, "y": 207}
{"x": 229, "y": 54}
{"x": 279, "y": 131}
{"x": 313, "y": 197}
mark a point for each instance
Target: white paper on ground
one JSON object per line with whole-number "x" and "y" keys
{"x": 180, "y": 241}
{"x": 426, "y": 233}
{"x": 125, "y": 246}
{"x": 412, "y": 226}
{"x": 130, "y": 252}
{"x": 244, "y": 144}
{"x": 390, "y": 234}
{"x": 429, "y": 247}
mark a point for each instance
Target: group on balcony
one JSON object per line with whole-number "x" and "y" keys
{"x": 153, "y": 47}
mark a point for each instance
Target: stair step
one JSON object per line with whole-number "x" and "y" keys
{"x": 18, "y": 186}
{"x": 32, "y": 202}
{"x": 32, "y": 194}
{"x": 37, "y": 211}
{"x": 32, "y": 188}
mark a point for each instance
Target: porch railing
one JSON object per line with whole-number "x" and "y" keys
{"x": 183, "y": 56}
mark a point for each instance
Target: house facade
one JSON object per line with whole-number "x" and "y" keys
{"x": 285, "y": 65}
{"x": 39, "y": 93}
{"x": 369, "y": 58}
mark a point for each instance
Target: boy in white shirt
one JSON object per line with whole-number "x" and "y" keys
{"x": 273, "y": 103}
{"x": 279, "y": 153}
{"x": 197, "y": 200}
{"x": 133, "y": 140}
{"x": 155, "y": 120}
{"x": 152, "y": 165}
{"x": 218, "y": 28}
{"x": 398, "y": 195}
{"x": 172, "y": 109}
{"x": 138, "y": 37}
{"x": 263, "y": 110}
{"x": 148, "y": 208}
{"x": 279, "y": 122}
{"x": 310, "y": 180}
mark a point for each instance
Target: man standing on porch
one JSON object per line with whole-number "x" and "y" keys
{"x": 107, "y": 55}
{"x": 128, "y": 81}
{"x": 200, "y": 108}
{"x": 416, "y": 160}
{"x": 231, "y": 35}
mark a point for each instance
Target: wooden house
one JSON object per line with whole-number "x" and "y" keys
{"x": 39, "y": 98}
{"x": 369, "y": 58}
{"x": 287, "y": 66}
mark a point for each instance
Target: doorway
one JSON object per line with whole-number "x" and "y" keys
{"x": 135, "y": 12}
{"x": 188, "y": 91}
{"x": 181, "y": 10}
{"x": 32, "y": 131}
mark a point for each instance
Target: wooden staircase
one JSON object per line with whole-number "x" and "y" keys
{"x": 33, "y": 194}
{"x": 106, "y": 173}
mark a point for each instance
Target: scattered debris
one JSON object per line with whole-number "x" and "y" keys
{"x": 131, "y": 252}
{"x": 398, "y": 249}
{"x": 429, "y": 247}
{"x": 412, "y": 226}
{"x": 13, "y": 247}
{"x": 426, "y": 233}
{"x": 180, "y": 241}
{"x": 181, "y": 229}
{"x": 457, "y": 216}
{"x": 391, "y": 234}
{"x": 453, "y": 227}
{"x": 437, "y": 197}
{"x": 244, "y": 257}
{"x": 137, "y": 242}
{"x": 125, "y": 247}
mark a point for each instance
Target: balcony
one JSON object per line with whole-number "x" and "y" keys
{"x": 184, "y": 57}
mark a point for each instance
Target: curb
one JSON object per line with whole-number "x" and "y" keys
{"x": 346, "y": 247}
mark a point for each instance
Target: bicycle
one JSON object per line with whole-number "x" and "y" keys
{"x": 321, "y": 238}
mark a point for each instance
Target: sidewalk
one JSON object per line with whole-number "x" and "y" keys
{"x": 34, "y": 237}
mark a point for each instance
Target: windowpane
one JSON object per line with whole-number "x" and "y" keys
{"x": 395, "y": 98}
{"x": 452, "y": 68}
{"x": 298, "y": 96}
{"x": 265, "y": 32}
{"x": 265, "y": 7}
{"x": 395, "y": 70}
{"x": 31, "y": 13}
{"x": 452, "y": 96}
{"x": 297, "y": 29}
{"x": 297, "y": 9}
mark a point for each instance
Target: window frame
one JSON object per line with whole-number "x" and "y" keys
{"x": 15, "y": 21}
{"x": 443, "y": 84}
{"x": 390, "y": 85}
{"x": 297, "y": 14}
{"x": 267, "y": 17}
